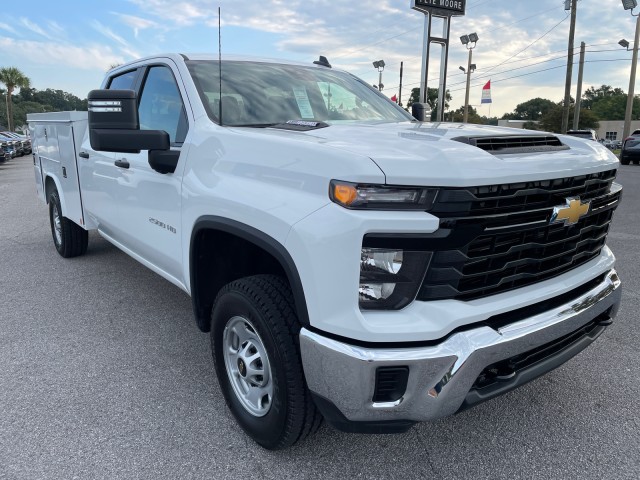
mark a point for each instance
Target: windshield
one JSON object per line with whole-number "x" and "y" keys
{"x": 262, "y": 94}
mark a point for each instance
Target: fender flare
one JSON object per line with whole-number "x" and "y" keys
{"x": 261, "y": 240}
{"x": 56, "y": 182}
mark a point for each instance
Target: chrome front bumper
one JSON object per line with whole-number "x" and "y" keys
{"x": 440, "y": 376}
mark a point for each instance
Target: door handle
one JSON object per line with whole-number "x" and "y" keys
{"x": 83, "y": 155}
{"x": 122, "y": 163}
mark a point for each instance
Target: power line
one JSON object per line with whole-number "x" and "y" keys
{"x": 532, "y": 43}
{"x": 544, "y": 70}
{"x": 522, "y": 75}
{"x": 485, "y": 75}
{"x": 416, "y": 28}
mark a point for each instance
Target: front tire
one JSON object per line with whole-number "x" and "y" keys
{"x": 70, "y": 239}
{"x": 254, "y": 339}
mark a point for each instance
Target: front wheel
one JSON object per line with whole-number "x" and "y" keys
{"x": 70, "y": 239}
{"x": 254, "y": 339}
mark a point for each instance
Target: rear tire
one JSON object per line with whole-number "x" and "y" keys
{"x": 624, "y": 161}
{"x": 254, "y": 340}
{"x": 70, "y": 239}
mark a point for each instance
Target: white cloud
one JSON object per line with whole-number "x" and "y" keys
{"x": 179, "y": 13}
{"x": 8, "y": 28}
{"x": 137, "y": 23}
{"x": 107, "y": 32}
{"x": 34, "y": 27}
{"x": 58, "y": 55}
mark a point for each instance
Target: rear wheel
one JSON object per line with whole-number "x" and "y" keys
{"x": 624, "y": 160}
{"x": 70, "y": 239}
{"x": 254, "y": 339}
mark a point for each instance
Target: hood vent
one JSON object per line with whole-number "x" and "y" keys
{"x": 515, "y": 143}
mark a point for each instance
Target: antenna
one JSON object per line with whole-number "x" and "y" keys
{"x": 220, "y": 63}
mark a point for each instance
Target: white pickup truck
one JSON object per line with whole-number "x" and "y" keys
{"x": 349, "y": 262}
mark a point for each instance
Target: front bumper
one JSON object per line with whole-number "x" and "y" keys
{"x": 443, "y": 377}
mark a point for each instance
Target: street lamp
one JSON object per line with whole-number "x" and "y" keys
{"x": 379, "y": 64}
{"x": 469, "y": 41}
{"x": 630, "y": 5}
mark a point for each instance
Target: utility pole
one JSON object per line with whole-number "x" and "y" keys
{"x": 576, "y": 113}
{"x": 567, "y": 89}
{"x": 632, "y": 84}
{"x": 466, "y": 97}
{"x": 400, "y": 91}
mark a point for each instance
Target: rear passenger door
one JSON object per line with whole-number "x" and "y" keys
{"x": 149, "y": 202}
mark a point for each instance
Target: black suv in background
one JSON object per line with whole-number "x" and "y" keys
{"x": 631, "y": 149}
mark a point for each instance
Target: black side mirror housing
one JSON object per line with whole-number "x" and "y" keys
{"x": 114, "y": 125}
{"x": 421, "y": 111}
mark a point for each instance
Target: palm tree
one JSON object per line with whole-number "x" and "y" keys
{"x": 12, "y": 78}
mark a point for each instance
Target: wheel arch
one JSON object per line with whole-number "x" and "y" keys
{"x": 50, "y": 182}
{"x": 210, "y": 232}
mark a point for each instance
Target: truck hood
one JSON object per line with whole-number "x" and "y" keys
{"x": 426, "y": 154}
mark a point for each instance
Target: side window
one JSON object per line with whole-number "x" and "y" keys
{"x": 123, "y": 81}
{"x": 161, "y": 107}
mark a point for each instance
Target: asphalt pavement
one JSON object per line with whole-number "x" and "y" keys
{"x": 104, "y": 375}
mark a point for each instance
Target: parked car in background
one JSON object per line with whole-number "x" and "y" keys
{"x": 631, "y": 149}
{"x": 607, "y": 143}
{"x": 587, "y": 133}
{"x": 4, "y": 152}
{"x": 14, "y": 143}
{"x": 24, "y": 143}
{"x": 8, "y": 146}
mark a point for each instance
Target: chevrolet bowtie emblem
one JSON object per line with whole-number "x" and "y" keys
{"x": 570, "y": 213}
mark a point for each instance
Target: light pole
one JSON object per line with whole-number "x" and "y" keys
{"x": 630, "y": 5}
{"x": 379, "y": 64}
{"x": 467, "y": 41}
{"x": 573, "y": 6}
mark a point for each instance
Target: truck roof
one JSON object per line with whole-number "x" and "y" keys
{"x": 214, "y": 57}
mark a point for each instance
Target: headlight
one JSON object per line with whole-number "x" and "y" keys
{"x": 390, "y": 278}
{"x": 381, "y": 197}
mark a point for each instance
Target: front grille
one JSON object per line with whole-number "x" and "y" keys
{"x": 511, "y": 244}
{"x": 519, "y": 197}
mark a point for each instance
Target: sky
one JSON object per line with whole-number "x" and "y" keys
{"x": 522, "y": 48}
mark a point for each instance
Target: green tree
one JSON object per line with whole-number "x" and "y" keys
{"x": 458, "y": 116}
{"x": 432, "y": 100}
{"x": 534, "y": 109}
{"x": 12, "y": 78}
{"x": 552, "y": 121}
{"x": 593, "y": 95}
{"x": 614, "y": 107}
{"x": 30, "y": 100}
{"x": 531, "y": 110}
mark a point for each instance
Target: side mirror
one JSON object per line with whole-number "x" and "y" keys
{"x": 421, "y": 111}
{"x": 114, "y": 125}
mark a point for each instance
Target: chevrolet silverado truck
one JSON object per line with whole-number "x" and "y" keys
{"x": 349, "y": 262}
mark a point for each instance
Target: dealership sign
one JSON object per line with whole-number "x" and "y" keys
{"x": 449, "y": 8}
